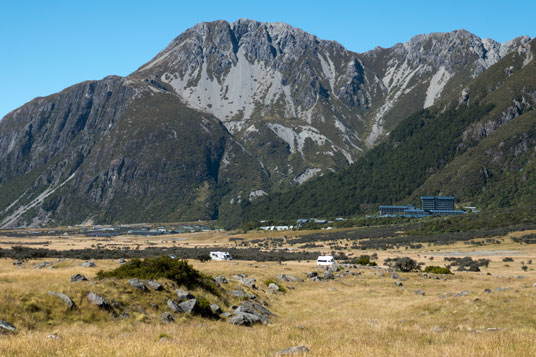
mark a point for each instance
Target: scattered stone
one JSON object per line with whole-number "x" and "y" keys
{"x": 241, "y": 294}
{"x": 476, "y": 300}
{"x": 273, "y": 288}
{"x": 245, "y": 319}
{"x": 398, "y": 283}
{"x": 173, "y": 306}
{"x": 98, "y": 300}
{"x": 288, "y": 278}
{"x": 316, "y": 278}
{"x": 437, "y": 329}
{"x": 6, "y": 326}
{"x": 167, "y": 317}
{"x": 395, "y": 276}
{"x": 501, "y": 289}
{"x": 18, "y": 262}
{"x": 189, "y": 306}
{"x": 331, "y": 289}
{"x": 125, "y": 315}
{"x": 328, "y": 275}
{"x": 78, "y": 277}
{"x": 88, "y": 264}
{"x": 184, "y": 295}
{"x": 154, "y": 285}
{"x": 154, "y": 306}
{"x": 226, "y": 315}
{"x": 462, "y": 293}
{"x": 121, "y": 261}
{"x": 64, "y": 298}
{"x": 215, "y": 308}
{"x": 254, "y": 309}
{"x": 419, "y": 292}
{"x": 43, "y": 265}
{"x": 292, "y": 350}
{"x": 137, "y": 284}
{"x": 487, "y": 291}
{"x": 221, "y": 280}
{"x": 493, "y": 329}
{"x": 53, "y": 336}
{"x": 313, "y": 274}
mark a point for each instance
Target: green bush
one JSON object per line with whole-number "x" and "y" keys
{"x": 272, "y": 281}
{"x": 434, "y": 269}
{"x": 178, "y": 271}
{"x": 363, "y": 260}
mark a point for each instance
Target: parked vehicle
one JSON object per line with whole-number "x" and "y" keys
{"x": 220, "y": 256}
{"x": 325, "y": 260}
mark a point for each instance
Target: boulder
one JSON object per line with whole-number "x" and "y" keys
{"x": 78, "y": 277}
{"x": 487, "y": 291}
{"x": 316, "y": 278}
{"x": 245, "y": 319}
{"x": 98, "y": 300}
{"x": 137, "y": 284}
{"x": 419, "y": 292}
{"x": 215, "y": 308}
{"x": 226, "y": 315}
{"x": 88, "y": 264}
{"x": 254, "y": 308}
{"x": 184, "y": 295}
{"x": 273, "y": 288}
{"x": 173, "y": 306}
{"x": 328, "y": 275}
{"x": 292, "y": 350}
{"x": 154, "y": 285}
{"x": 241, "y": 294}
{"x": 43, "y": 265}
{"x": 462, "y": 293}
{"x": 398, "y": 283}
{"x": 167, "y": 317}
{"x": 189, "y": 306}
{"x": 64, "y": 298}
{"x": 121, "y": 261}
{"x": 288, "y": 278}
{"x": 6, "y": 326}
{"x": 220, "y": 280}
{"x": 312, "y": 274}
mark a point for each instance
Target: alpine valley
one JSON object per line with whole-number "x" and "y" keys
{"x": 231, "y": 112}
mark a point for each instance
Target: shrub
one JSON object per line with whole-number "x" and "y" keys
{"x": 178, "y": 271}
{"x": 363, "y": 260}
{"x": 272, "y": 281}
{"x": 434, "y": 269}
{"x": 405, "y": 264}
{"x": 508, "y": 259}
{"x": 203, "y": 257}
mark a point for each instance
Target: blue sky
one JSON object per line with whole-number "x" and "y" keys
{"x": 47, "y": 46}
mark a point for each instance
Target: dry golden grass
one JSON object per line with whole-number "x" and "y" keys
{"x": 352, "y": 316}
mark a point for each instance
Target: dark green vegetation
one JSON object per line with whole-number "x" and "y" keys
{"x": 178, "y": 271}
{"x": 434, "y": 269}
{"x": 467, "y": 263}
{"x": 363, "y": 260}
{"x": 478, "y": 147}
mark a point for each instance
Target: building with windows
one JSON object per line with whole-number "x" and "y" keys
{"x": 431, "y": 205}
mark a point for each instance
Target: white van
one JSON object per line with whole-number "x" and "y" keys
{"x": 220, "y": 256}
{"x": 325, "y": 260}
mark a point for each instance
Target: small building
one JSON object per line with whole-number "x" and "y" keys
{"x": 394, "y": 210}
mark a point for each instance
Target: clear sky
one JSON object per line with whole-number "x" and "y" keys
{"x": 48, "y": 45}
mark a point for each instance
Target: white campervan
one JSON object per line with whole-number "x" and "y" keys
{"x": 325, "y": 260}
{"x": 220, "y": 256}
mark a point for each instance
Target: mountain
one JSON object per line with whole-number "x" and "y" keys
{"x": 479, "y": 146}
{"x": 227, "y": 113}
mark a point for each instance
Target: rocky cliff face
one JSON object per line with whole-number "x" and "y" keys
{"x": 226, "y": 113}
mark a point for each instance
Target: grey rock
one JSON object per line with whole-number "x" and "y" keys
{"x": 226, "y": 315}
{"x": 78, "y": 277}
{"x": 273, "y": 288}
{"x": 43, "y": 265}
{"x": 395, "y": 276}
{"x": 174, "y": 306}
{"x": 6, "y": 326}
{"x": 53, "y": 336}
{"x": 184, "y": 295}
{"x": 245, "y": 319}
{"x": 215, "y": 308}
{"x": 254, "y": 309}
{"x": 221, "y": 280}
{"x": 419, "y": 292}
{"x": 88, "y": 264}
{"x": 121, "y": 261}
{"x": 463, "y": 293}
{"x": 98, "y": 300}
{"x": 189, "y": 306}
{"x": 316, "y": 279}
{"x": 292, "y": 350}
{"x": 398, "y": 283}
{"x": 312, "y": 274}
{"x": 64, "y": 298}
{"x": 137, "y": 284}
{"x": 154, "y": 285}
{"x": 167, "y": 317}
{"x": 288, "y": 278}
{"x": 501, "y": 289}
{"x": 487, "y": 291}
{"x": 328, "y": 275}
{"x": 18, "y": 262}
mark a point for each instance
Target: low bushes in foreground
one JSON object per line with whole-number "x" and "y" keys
{"x": 434, "y": 269}
{"x": 178, "y": 271}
